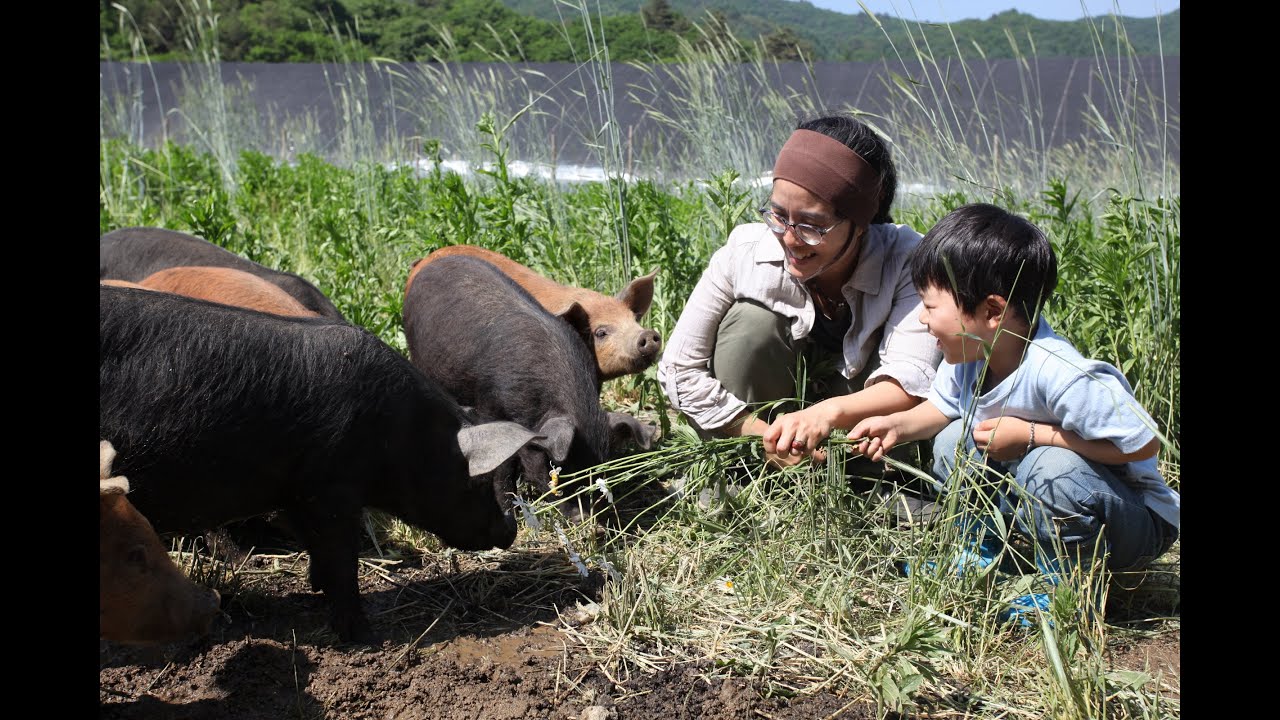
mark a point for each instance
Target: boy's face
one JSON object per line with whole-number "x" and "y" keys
{"x": 953, "y": 327}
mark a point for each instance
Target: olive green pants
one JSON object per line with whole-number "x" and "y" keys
{"x": 756, "y": 360}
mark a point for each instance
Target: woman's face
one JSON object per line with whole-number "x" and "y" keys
{"x": 795, "y": 204}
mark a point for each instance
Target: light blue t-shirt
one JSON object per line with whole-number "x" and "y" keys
{"x": 1057, "y": 385}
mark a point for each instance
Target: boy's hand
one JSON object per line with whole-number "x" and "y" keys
{"x": 875, "y": 436}
{"x": 1002, "y": 438}
{"x": 797, "y": 434}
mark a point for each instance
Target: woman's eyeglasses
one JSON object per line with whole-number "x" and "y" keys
{"x": 808, "y": 234}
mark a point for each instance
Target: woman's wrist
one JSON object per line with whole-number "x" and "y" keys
{"x": 739, "y": 426}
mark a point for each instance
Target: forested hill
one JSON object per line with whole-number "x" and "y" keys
{"x": 634, "y": 30}
{"x": 841, "y": 36}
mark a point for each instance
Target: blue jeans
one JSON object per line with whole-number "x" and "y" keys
{"x": 1069, "y": 497}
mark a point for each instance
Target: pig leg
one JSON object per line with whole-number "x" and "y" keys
{"x": 332, "y": 540}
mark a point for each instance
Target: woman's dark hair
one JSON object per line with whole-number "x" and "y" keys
{"x": 860, "y": 138}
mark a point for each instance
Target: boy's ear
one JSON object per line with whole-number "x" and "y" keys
{"x": 993, "y": 310}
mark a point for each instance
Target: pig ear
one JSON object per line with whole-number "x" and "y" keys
{"x": 579, "y": 320}
{"x": 555, "y": 436}
{"x": 488, "y": 445}
{"x": 624, "y": 428}
{"x": 638, "y": 294}
{"x": 106, "y": 455}
{"x": 413, "y": 272}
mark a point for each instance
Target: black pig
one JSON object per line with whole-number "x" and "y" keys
{"x": 316, "y": 418}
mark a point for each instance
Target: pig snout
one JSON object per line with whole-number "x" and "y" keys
{"x": 500, "y": 533}
{"x": 649, "y": 344}
{"x": 191, "y": 613}
{"x": 205, "y": 606}
{"x": 490, "y": 522}
{"x": 183, "y": 610}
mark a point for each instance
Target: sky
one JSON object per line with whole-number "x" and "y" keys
{"x": 955, "y": 10}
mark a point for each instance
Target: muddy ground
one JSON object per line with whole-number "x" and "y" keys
{"x": 458, "y": 636}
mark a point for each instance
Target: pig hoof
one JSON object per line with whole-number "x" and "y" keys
{"x": 353, "y": 629}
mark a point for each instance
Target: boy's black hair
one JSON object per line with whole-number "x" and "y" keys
{"x": 979, "y": 250}
{"x": 860, "y": 138}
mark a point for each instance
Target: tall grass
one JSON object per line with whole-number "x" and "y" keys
{"x": 951, "y": 128}
{"x": 795, "y": 581}
{"x": 120, "y": 116}
{"x": 726, "y": 112}
{"x": 793, "y": 578}
{"x": 208, "y": 105}
{"x": 952, "y": 135}
{"x": 1136, "y": 111}
{"x": 606, "y": 139}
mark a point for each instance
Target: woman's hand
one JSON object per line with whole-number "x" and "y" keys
{"x": 797, "y": 434}
{"x": 774, "y": 460}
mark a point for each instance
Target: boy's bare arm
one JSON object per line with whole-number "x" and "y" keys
{"x": 801, "y": 432}
{"x": 1009, "y": 438}
{"x": 883, "y": 398}
{"x": 1102, "y": 451}
{"x": 880, "y": 434}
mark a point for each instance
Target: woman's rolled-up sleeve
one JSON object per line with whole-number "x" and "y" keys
{"x": 908, "y": 353}
{"x": 684, "y": 370}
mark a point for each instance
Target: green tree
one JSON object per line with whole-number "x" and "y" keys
{"x": 156, "y": 22}
{"x": 785, "y": 44}
{"x": 659, "y": 15}
{"x": 289, "y": 31}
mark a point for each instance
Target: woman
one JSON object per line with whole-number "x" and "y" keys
{"x": 824, "y": 277}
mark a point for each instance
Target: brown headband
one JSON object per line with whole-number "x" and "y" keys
{"x": 827, "y": 168}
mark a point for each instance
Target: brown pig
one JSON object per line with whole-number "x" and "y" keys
{"x": 123, "y": 283}
{"x": 133, "y": 253}
{"x": 143, "y": 596}
{"x": 621, "y": 345}
{"x": 228, "y": 286}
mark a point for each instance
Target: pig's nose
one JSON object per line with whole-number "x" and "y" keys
{"x": 208, "y": 607}
{"x": 212, "y": 602}
{"x": 650, "y": 343}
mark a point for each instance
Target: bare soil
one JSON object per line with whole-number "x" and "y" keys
{"x": 459, "y": 636}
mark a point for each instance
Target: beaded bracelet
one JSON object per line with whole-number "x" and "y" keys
{"x": 1031, "y": 441}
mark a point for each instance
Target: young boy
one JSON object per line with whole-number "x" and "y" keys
{"x": 1066, "y": 428}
